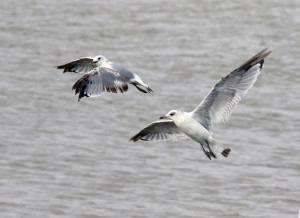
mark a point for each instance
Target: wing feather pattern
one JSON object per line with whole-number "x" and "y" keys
{"x": 161, "y": 130}
{"x": 82, "y": 65}
{"x": 98, "y": 81}
{"x": 226, "y": 94}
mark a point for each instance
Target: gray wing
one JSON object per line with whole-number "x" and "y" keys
{"x": 123, "y": 71}
{"x": 226, "y": 94}
{"x": 98, "y": 81}
{"x": 161, "y": 130}
{"x": 82, "y": 65}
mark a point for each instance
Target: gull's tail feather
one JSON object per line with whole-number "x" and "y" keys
{"x": 217, "y": 147}
{"x": 148, "y": 89}
{"x": 226, "y": 152}
{"x": 138, "y": 83}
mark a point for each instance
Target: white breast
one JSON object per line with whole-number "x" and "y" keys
{"x": 193, "y": 129}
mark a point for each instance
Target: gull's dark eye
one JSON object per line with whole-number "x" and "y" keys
{"x": 172, "y": 114}
{"x": 99, "y": 58}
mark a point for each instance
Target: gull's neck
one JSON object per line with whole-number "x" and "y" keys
{"x": 181, "y": 118}
{"x": 104, "y": 63}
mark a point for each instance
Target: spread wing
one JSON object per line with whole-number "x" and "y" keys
{"x": 100, "y": 80}
{"x": 82, "y": 65}
{"x": 226, "y": 94}
{"x": 161, "y": 130}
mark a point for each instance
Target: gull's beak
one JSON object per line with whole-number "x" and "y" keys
{"x": 95, "y": 62}
{"x": 163, "y": 117}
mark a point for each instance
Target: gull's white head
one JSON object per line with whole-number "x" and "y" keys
{"x": 174, "y": 115}
{"x": 99, "y": 60}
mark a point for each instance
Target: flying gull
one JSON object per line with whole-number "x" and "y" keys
{"x": 213, "y": 110}
{"x": 101, "y": 75}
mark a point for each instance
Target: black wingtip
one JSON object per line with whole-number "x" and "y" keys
{"x": 258, "y": 58}
{"x": 135, "y": 138}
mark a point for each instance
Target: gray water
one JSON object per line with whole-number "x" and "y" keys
{"x": 61, "y": 158}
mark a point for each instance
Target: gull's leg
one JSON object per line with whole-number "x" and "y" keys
{"x": 207, "y": 153}
{"x": 210, "y": 150}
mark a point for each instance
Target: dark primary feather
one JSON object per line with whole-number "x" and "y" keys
{"x": 260, "y": 56}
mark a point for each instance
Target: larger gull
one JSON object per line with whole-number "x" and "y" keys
{"x": 101, "y": 76}
{"x": 213, "y": 110}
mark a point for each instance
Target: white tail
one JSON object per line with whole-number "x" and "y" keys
{"x": 218, "y": 147}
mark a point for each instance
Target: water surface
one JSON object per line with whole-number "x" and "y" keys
{"x": 61, "y": 158}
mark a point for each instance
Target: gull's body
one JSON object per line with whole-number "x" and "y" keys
{"x": 101, "y": 76}
{"x": 192, "y": 128}
{"x": 213, "y": 110}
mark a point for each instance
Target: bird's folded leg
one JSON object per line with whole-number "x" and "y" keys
{"x": 211, "y": 153}
{"x": 207, "y": 153}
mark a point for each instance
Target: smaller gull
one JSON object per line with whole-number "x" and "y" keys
{"x": 101, "y": 75}
{"x": 213, "y": 110}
